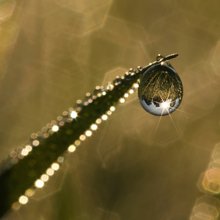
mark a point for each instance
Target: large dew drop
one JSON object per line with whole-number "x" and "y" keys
{"x": 160, "y": 90}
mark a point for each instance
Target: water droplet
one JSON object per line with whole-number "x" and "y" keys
{"x": 161, "y": 90}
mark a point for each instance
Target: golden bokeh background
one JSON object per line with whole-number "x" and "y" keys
{"x": 136, "y": 166}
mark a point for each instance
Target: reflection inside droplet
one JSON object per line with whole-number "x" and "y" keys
{"x": 161, "y": 90}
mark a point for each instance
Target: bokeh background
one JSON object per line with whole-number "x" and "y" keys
{"x": 136, "y": 166}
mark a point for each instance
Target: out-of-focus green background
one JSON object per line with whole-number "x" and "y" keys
{"x": 135, "y": 167}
